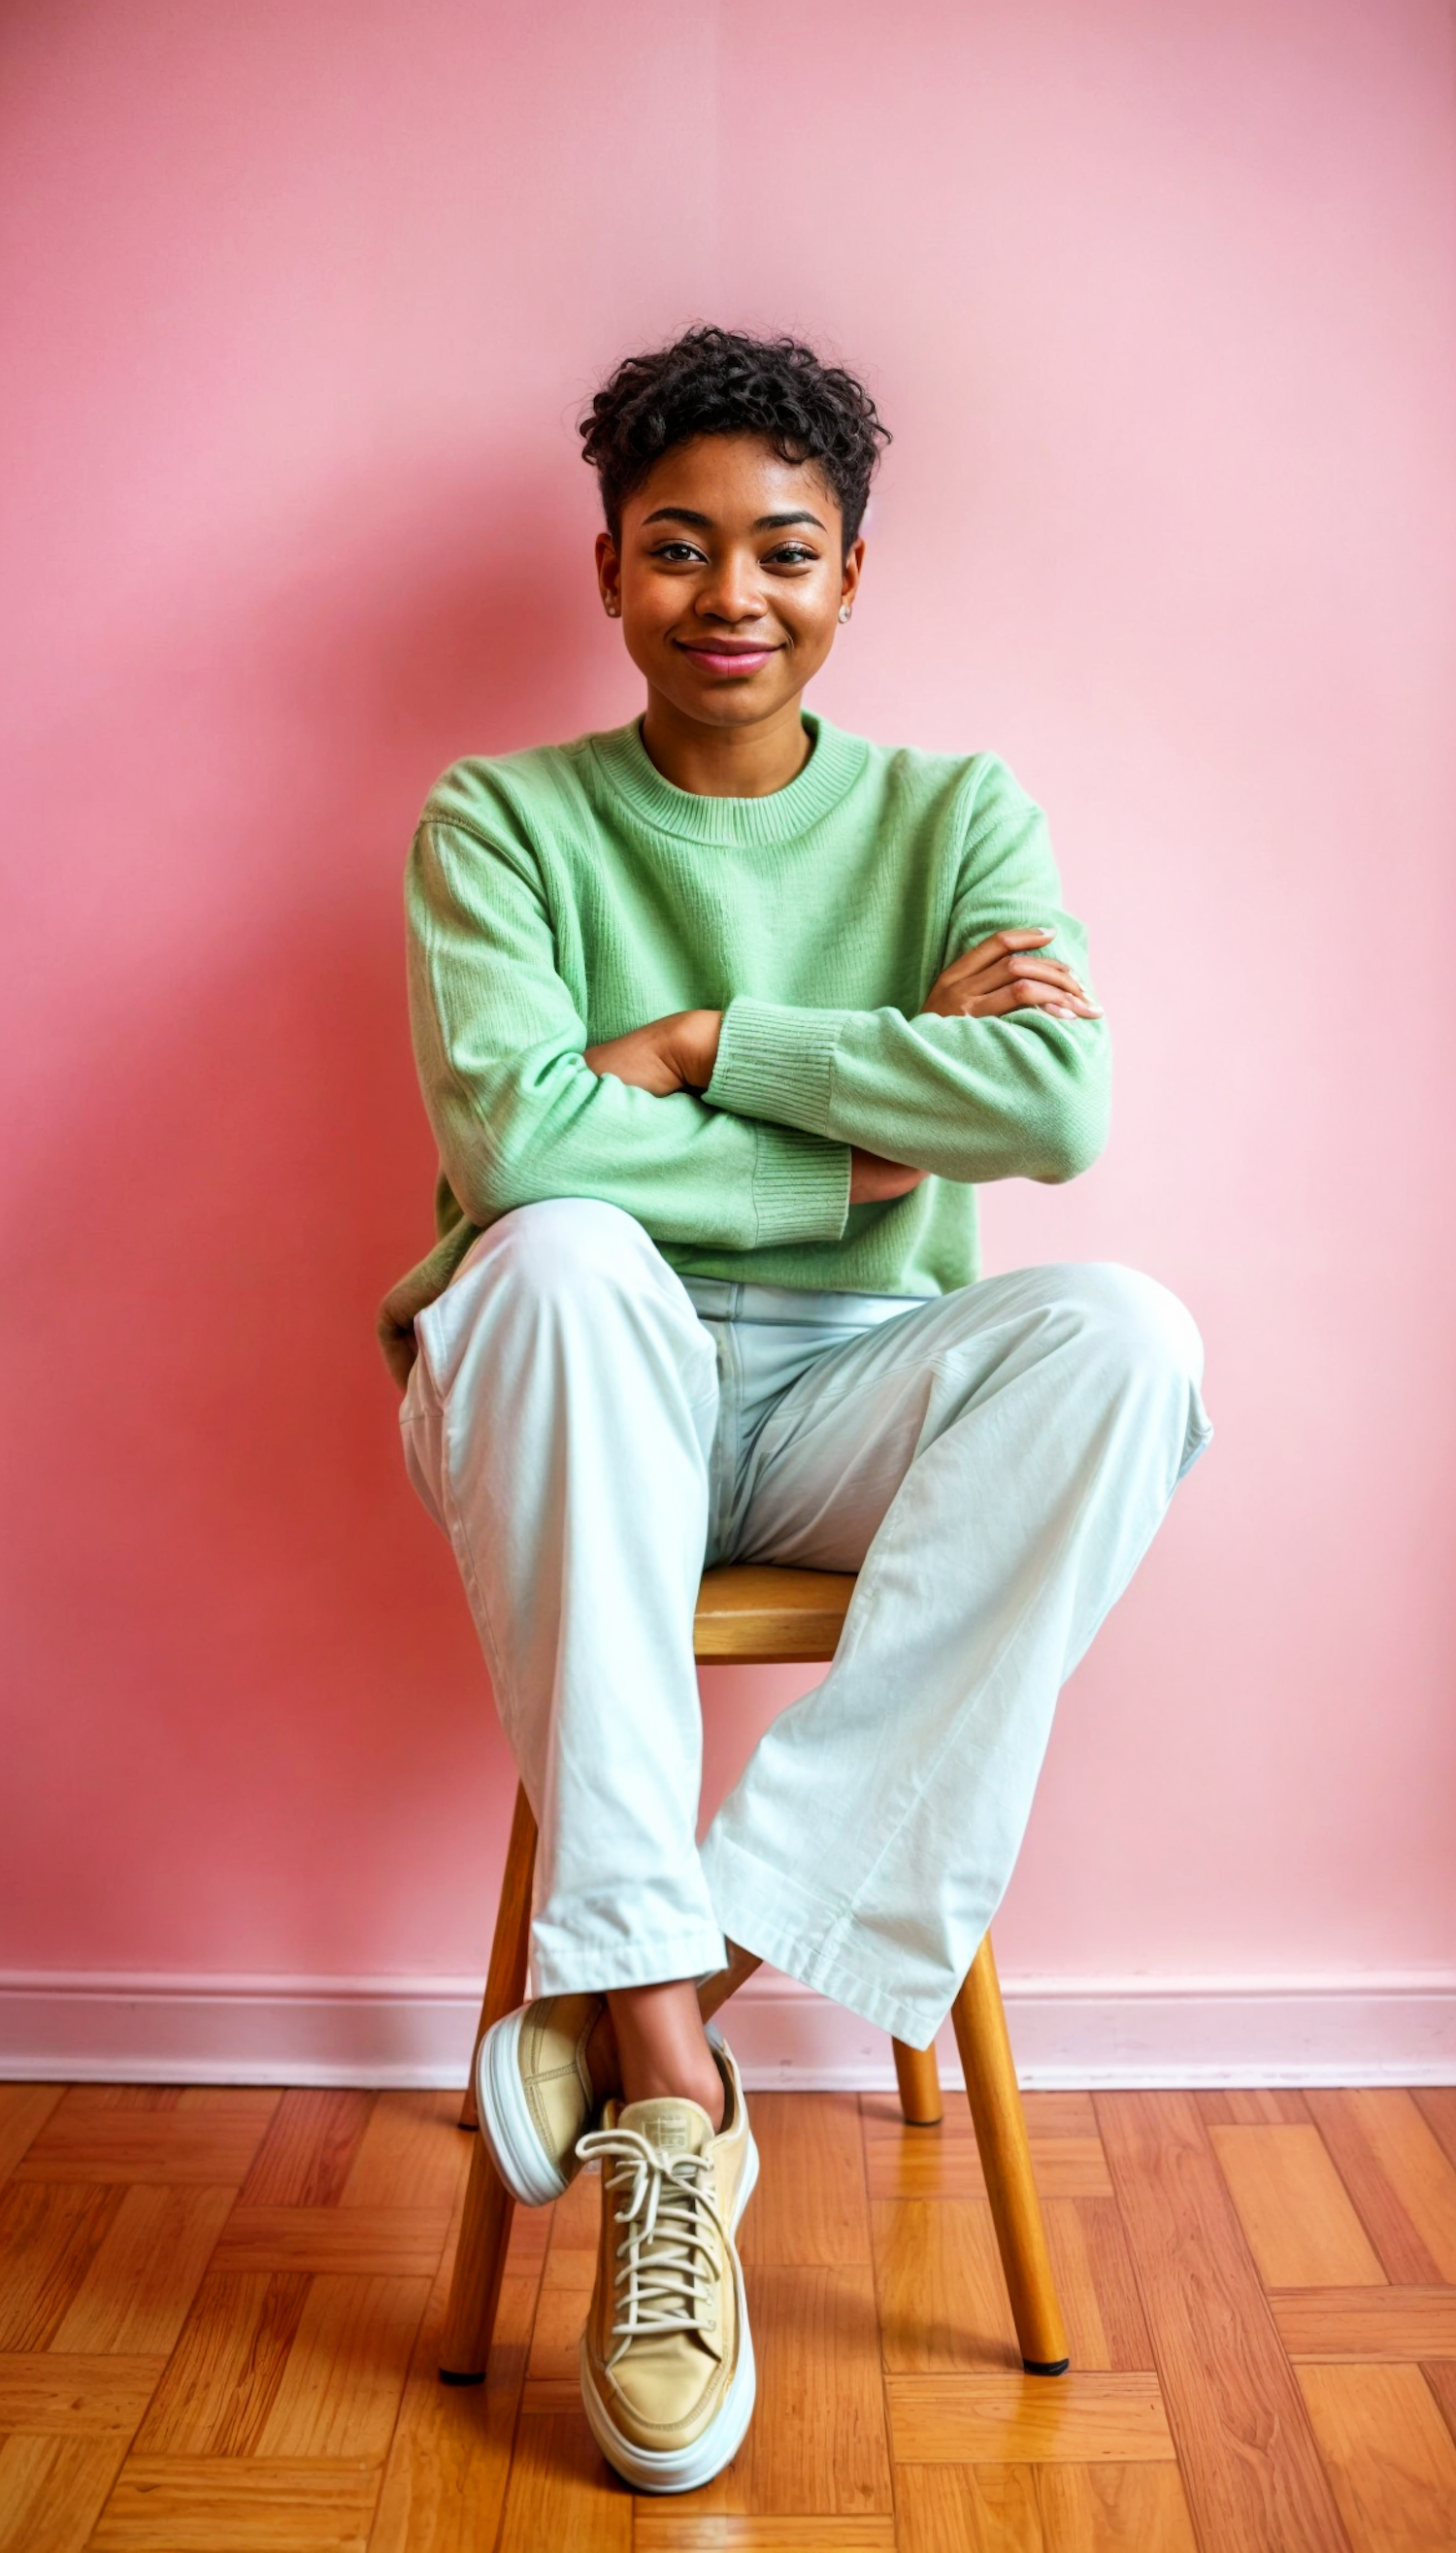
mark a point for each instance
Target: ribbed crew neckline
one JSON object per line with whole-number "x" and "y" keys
{"x": 830, "y": 773}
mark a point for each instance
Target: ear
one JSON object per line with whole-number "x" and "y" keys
{"x": 854, "y": 564}
{"x": 609, "y": 574}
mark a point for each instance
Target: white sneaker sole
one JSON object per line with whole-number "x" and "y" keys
{"x": 530, "y": 2172}
{"x": 689, "y": 2467}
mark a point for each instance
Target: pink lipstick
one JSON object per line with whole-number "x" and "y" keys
{"x": 725, "y": 661}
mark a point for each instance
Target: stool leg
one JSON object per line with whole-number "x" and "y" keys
{"x": 1000, "y": 2131}
{"x": 726, "y": 1981}
{"x": 919, "y": 2079}
{"x": 485, "y": 2230}
{"x": 512, "y": 1920}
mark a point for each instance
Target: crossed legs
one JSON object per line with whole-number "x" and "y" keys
{"x": 993, "y": 1463}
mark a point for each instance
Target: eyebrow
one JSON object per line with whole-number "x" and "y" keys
{"x": 704, "y": 523}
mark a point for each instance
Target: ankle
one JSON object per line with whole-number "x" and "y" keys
{"x": 604, "y": 2064}
{"x": 661, "y": 2047}
{"x": 702, "y": 2085}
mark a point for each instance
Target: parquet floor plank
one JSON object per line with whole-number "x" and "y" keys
{"x": 52, "y": 2491}
{"x": 1050, "y": 2508}
{"x": 941, "y": 2297}
{"x": 541, "y": 2395}
{"x": 1113, "y": 2508}
{"x": 449, "y": 2460}
{"x": 817, "y": 2445}
{"x": 306, "y": 2154}
{"x": 573, "y": 2223}
{"x": 561, "y": 2311}
{"x": 967, "y": 2508}
{"x": 809, "y": 2209}
{"x": 662, "y": 2526}
{"x": 1106, "y": 2328}
{"x": 924, "y": 2163}
{"x": 365, "y": 2242}
{"x": 1437, "y": 2106}
{"x": 49, "y": 2237}
{"x": 1366, "y": 2324}
{"x": 215, "y": 2145}
{"x": 142, "y": 2279}
{"x": 530, "y": 2233}
{"x": 1027, "y": 2420}
{"x": 1294, "y": 2209}
{"x": 1048, "y": 2115}
{"x": 48, "y": 2394}
{"x": 405, "y": 2157}
{"x": 1242, "y": 2108}
{"x": 1250, "y": 2464}
{"x": 1391, "y": 2457}
{"x": 565, "y": 2273}
{"x": 1055, "y": 2114}
{"x": 135, "y": 2096}
{"x": 560, "y": 2493}
{"x": 24, "y": 2111}
{"x": 1402, "y": 2184}
{"x": 345, "y": 2374}
{"x": 239, "y": 2505}
{"x": 1440, "y": 2376}
{"x": 227, "y": 2367}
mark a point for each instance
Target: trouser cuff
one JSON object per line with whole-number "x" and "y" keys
{"x": 562, "y": 1966}
{"x": 819, "y": 1944}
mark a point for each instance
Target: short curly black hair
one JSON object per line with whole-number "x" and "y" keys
{"x": 717, "y": 380}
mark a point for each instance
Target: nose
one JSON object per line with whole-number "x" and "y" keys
{"x": 731, "y": 592}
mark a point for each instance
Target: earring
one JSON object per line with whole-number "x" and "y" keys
{"x": 844, "y": 612}
{"x": 613, "y": 609}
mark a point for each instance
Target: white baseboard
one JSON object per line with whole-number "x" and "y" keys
{"x": 1107, "y": 2032}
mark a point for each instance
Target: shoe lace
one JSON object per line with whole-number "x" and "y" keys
{"x": 670, "y": 2231}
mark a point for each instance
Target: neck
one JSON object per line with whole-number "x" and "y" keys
{"x": 726, "y": 761}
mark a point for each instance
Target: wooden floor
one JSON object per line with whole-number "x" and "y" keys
{"x": 219, "y": 2309}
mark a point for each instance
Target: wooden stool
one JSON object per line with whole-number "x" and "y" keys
{"x": 769, "y": 1618}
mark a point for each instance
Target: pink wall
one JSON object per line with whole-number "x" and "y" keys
{"x": 1156, "y": 300}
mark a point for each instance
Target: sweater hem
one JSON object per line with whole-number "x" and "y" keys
{"x": 801, "y": 1187}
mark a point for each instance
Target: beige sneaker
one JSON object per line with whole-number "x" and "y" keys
{"x": 667, "y": 2360}
{"x": 534, "y": 2092}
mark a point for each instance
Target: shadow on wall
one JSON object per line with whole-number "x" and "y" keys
{"x": 225, "y": 1586}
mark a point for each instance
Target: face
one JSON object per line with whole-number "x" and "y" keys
{"x": 729, "y": 577}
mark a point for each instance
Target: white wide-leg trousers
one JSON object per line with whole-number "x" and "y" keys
{"x": 591, "y": 1430}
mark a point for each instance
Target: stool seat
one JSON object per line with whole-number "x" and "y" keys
{"x": 767, "y": 1616}
{"x": 770, "y": 1616}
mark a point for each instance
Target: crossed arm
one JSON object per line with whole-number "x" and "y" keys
{"x": 763, "y": 1123}
{"x": 1005, "y": 972}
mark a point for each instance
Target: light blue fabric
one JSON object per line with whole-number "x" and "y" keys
{"x": 592, "y": 1429}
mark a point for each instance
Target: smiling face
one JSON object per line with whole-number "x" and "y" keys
{"x": 728, "y": 578}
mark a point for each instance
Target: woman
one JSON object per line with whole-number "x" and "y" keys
{"x": 720, "y": 1018}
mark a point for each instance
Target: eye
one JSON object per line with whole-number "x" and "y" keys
{"x": 792, "y": 554}
{"x": 676, "y": 550}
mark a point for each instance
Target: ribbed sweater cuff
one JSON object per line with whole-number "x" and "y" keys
{"x": 801, "y": 1187}
{"x": 775, "y": 1062}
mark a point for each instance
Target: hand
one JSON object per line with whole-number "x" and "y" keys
{"x": 872, "y": 1179}
{"x": 1007, "y": 974}
{"x": 677, "y": 1053}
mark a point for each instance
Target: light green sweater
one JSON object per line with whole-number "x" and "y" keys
{"x": 567, "y": 894}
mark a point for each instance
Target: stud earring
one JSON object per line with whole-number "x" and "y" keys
{"x": 845, "y": 612}
{"x": 613, "y": 609}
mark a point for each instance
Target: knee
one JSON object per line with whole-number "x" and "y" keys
{"x": 562, "y": 1248}
{"x": 1136, "y": 1324}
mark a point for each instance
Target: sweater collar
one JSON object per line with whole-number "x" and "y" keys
{"x": 830, "y": 773}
